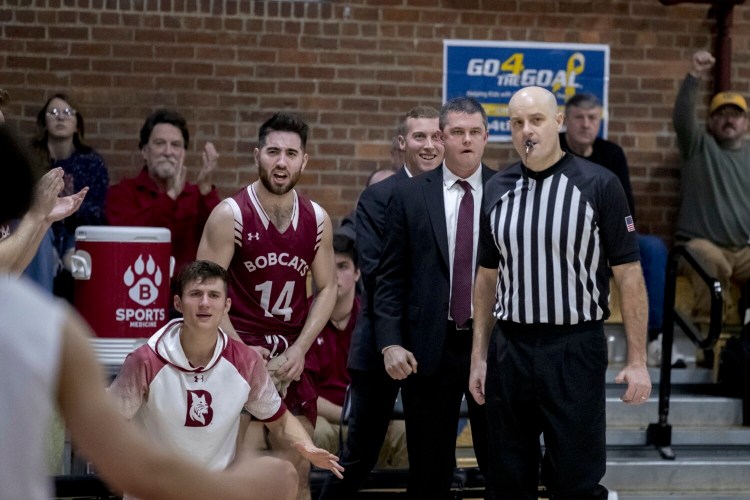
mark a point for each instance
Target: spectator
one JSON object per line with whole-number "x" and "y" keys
{"x": 269, "y": 238}
{"x": 160, "y": 196}
{"x": 377, "y": 175}
{"x": 46, "y": 361}
{"x": 60, "y": 143}
{"x": 397, "y": 152}
{"x": 714, "y": 216}
{"x": 373, "y": 392}
{"x": 192, "y": 368}
{"x": 422, "y": 303}
{"x": 327, "y": 356}
{"x": 583, "y": 117}
{"x": 4, "y": 98}
{"x": 552, "y": 225}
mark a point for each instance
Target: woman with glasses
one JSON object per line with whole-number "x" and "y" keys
{"x": 60, "y": 143}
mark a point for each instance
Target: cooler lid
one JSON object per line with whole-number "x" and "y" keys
{"x": 123, "y": 234}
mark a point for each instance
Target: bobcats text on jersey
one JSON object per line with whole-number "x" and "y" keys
{"x": 282, "y": 259}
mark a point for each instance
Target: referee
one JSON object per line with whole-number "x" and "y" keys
{"x": 552, "y": 228}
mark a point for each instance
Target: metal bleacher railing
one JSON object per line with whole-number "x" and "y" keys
{"x": 659, "y": 434}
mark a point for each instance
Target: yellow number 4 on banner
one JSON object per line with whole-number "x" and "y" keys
{"x": 513, "y": 64}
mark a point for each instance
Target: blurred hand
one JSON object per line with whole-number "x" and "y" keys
{"x": 703, "y": 61}
{"x": 46, "y": 192}
{"x": 176, "y": 184}
{"x": 210, "y": 163}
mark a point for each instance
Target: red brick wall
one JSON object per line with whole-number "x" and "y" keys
{"x": 350, "y": 68}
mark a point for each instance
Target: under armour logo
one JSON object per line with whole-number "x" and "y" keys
{"x": 251, "y": 236}
{"x": 198, "y": 378}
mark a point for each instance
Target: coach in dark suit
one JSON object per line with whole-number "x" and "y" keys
{"x": 372, "y": 390}
{"x": 422, "y": 302}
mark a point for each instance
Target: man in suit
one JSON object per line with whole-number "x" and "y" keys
{"x": 372, "y": 391}
{"x": 422, "y": 305}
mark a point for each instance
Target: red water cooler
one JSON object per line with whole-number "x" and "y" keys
{"x": 122, "y": 279}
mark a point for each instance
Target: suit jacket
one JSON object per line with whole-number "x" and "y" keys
{"x": 412, "y": 289}
{"x": 370, "y": 227}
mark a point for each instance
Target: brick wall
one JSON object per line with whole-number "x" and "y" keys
{"x": 350, "y": 68}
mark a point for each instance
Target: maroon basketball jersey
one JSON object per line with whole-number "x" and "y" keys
{"x": 268, "y": 273}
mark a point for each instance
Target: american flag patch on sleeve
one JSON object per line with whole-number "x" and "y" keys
{"x": 629, "y": 224}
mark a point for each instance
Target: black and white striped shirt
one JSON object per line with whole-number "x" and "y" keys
{"x": 552, "y": 236}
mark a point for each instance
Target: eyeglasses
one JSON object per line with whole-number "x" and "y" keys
{"x": 62, "y": 113}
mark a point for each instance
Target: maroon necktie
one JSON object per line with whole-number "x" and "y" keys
{"x": 462, "y": 258}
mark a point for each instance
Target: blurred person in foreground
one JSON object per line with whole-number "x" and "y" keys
{"x": 46, "y": 361}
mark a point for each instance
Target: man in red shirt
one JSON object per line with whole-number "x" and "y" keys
{"x": 160, "y": 196}
{"x": 328, "y": 355}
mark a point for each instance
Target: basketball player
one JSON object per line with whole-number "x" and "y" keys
{"x": 269, "y": 237}
{"x": 189, "y": 383}
{"x": 46, "y": 361}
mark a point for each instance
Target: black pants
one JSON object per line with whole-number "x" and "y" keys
{"x": 431, "y": 407}
{"x": 372, "y": 395}
{"x": 548, "y": 380}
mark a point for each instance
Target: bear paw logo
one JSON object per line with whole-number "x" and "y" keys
{"x": 143, "y": 280}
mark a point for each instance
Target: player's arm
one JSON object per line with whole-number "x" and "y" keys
{"x": 288, "y": 429}
{"x": 129, "y": 389}
{"x": 217, "y": 245}
{"x": 324, "y": 274}
{"x": 127, "y": 460}
{"x": 17, "y": 250}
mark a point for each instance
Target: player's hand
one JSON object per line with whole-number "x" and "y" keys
{"x": 264, "y": 353}
{"x": 46, "y": 191}
{"x": 210, "y": 163}
{"x": 639, "y": 384}
{"x": 295, "y": 363}
{"x": 67, "y": 205}
{"x": 320, "y": 458}
{"x": 703, "y": 61}
{"x": 477, "y": 377}
{"x": 399, "y": 362}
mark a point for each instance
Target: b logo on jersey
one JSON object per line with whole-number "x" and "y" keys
{"x": 199, "y": 411}
{"x": 143, "y": 278}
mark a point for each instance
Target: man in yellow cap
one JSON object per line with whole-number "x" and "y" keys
{"x": 715, "y": 206}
